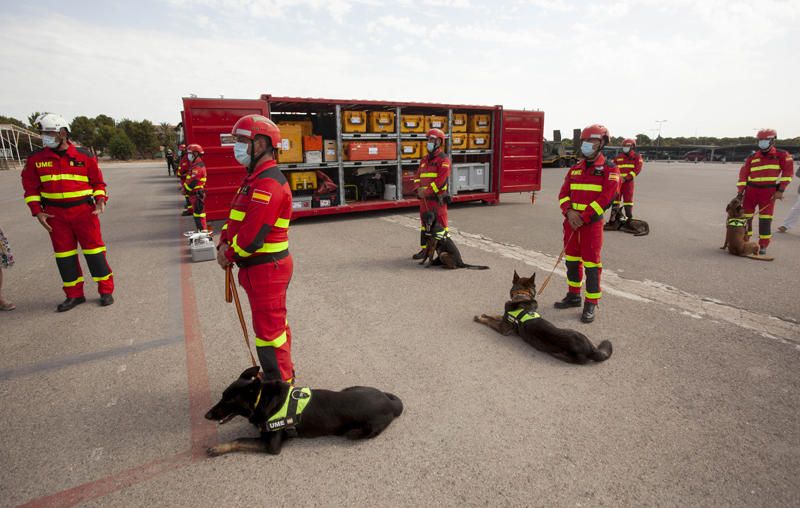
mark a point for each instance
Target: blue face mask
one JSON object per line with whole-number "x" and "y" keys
{"x": 190, "y": 157}
{"x": 763, "y": 144}
{"x": 240, "y": 153}
{"x": 50, "y": 141}
{"x": 587, "y": 148}
{"x": 626, "y": 149}
{"x": 431, "y": 147}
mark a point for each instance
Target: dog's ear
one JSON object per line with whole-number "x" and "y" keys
{"x": 250, "y": 373}
{"x": 516, "y": 277}
{"x": 532, "y": 280}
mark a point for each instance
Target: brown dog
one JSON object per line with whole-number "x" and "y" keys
{"x": 735, "y": 231}
{"x": 520, "y": 317}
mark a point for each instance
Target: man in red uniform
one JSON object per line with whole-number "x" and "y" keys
{"x": 762, "y": 179}
{"x": 65, "y": 191}
{"x": 195, "y": 185}
{"x": 432, "y": 175}
{"x": 256, "y": 238}
{"x": 589, "y": 187}
{"x": 630, "y": 165}
{"x": 183, "y": 172}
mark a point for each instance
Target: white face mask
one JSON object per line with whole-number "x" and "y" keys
{"x": 587, "y": 148}
{"x": 626, "y": 149}
{"x": 240, "y": 153}
{"x": 50, "y": 141}
{"x": 431, "y": 147}
{"x": 763, "y": 144}
{"x": 190, "y": 157}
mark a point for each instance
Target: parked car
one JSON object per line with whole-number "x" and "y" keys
{"x": 703, "y": 155}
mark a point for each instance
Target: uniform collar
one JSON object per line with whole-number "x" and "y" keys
{"x": 70, "y": 151}
{"x": 769, "y": 153}
{"x": 630, "y": 155}
{"x": 263, "y": 166}
{"x": 598, "y": 161}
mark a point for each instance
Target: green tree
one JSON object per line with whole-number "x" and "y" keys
{"x": 144, "y": 137}
{"x": 12, "y": 121}
{"x": 167, "y": 135}
{"x": 103, "y": 136}
{"x": 82, "y": 129}
{"x": 643, "y": 139}
{"x": 120, "y": 146}
{"x": 31, "y": 118}
{"x": 101, "y": 120}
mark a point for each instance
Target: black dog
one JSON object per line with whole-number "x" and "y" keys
{"x": 281, "y": 411}
{"x": 520, "y": 316}
{"x": 441, "y": 245}
{"x": 619, "y": 221}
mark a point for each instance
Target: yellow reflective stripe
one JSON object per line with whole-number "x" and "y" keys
{"x": 66, "y": 195}
{"x": 764, "y": 216}
{"x": 624, "y": 203}
{"x": 225, "y": 226}
{"x": 237, "y": 215}
{"x": 282, "y": 223}
{"x": 759, "y": 179}
{"x": 276, "y": 343}
{"x": 274, "y": 247}
{"x": 415, "y": 180}
{"x": 429, "y": 175}
{"x": 186, "y": 186}
{"x": 98, "y": 250}
{"x": 99, "y": 192}
{"x": 741, "y": 184}
{"x": 589, "y": 264}
{"x": 572, "y": 258}
{"x": 73, "y": 283}
{"x": 594, "y": 296}
{"x": 98, "y": 279}
{"x": 66, "y": 253}
{"x": 563, "y": 200}
{"x": 238, "y": 250}
{"x": 203, "y": 179}
{"x": 626, "y": 166}
{"x": 579, "y": 206}
{"x": 597, "y": 208}
{"x": 747, "y": 215}
{"x": 586, "y": 187}
{"x": 575, "y": 172}
{"x": 785, "y": 179}
{"x": 754, "y": 161}
{"x": 574, "y": 284}
{"x": 53, "y": 178}
{"x": 765, "y": 166}
{"x": 30, "y": 199}
{"x": 765, "y": 237}
{"x": 633, "y": 175}
{"x": 434, "y": 187}
{"x": 199, "y": 214}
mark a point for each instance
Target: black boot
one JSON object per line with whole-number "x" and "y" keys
{"x": 186, "y": 213}
{"x": 419, "y": 255}
{"x": 106, "y": 300}
{"x": 589, "y": 311}
{"x": 571, "y": 300}
{"x": 70, "y": 303}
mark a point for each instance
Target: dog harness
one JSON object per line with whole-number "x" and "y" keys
{"x": 519, "y": 316}
{"x": 736, "y": 223}
{"x": 288, "y": 416}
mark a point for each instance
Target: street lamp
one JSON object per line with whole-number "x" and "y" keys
{"x": 659, "y": 122}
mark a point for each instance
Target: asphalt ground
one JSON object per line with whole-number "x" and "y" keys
{"x": 697, "y": 406}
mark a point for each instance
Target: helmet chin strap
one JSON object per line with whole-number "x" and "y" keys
{"x": 254, "y": 160}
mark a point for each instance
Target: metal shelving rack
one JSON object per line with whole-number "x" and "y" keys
{"x": 398, "y": 163}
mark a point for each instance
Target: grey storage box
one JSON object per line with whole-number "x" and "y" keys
{"x": 202, "y": 247}
{"x": 473, "y": 176}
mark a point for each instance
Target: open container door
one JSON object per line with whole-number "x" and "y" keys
{"x": 522, "y": 134}
{"x": 208, "y": 122}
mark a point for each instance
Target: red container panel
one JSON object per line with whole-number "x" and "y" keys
{"x": 521, "y": 137}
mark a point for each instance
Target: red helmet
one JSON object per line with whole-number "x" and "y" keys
{"x": 767, "y": 134}
{"x": 181, "y": 147}
{"x": 436, "y": 133}
{"x": 194, "y": 147}
{"x": 595, "y": 131}
{"x": 629, "y": 141}
{"x": 251, "y": 126}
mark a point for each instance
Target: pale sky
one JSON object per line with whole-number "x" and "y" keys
{"x": 708, "y": 67}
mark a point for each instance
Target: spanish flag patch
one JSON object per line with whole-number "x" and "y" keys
{"x": 613, "y": 176}
{"x": 261, "y": 196}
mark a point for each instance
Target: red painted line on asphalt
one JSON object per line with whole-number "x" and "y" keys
{"x": 203, "y": 432}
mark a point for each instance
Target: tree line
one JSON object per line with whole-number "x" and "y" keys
{"x": 645, "y": 140}
{"x": 122, "y": 140}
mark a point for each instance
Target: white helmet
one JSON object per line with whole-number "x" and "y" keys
{"x": 50, "y": 122}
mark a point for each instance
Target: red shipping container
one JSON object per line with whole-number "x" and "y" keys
{"x": 408, "y": 182}
{"x": 312, "y": 143}
{"x": 366, "y": 151}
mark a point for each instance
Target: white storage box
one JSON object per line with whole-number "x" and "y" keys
{"x": 201, "y": 246}
{"x": 313, "y": 157}
{"x": 390, "y": 192}
{"x": 470, "y": 177}
{"x": 300, "y": 202}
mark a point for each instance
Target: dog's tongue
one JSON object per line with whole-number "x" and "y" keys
{"x": 226, "y": 419}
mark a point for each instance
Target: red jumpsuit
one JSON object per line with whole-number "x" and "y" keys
{"x": 760, "y": 177}
{"x": 195, "y": 186}
{"x": 432, "y": 175}
{"x": 183, "y": 173}
{"x": 66, "y": 185}
{"x": 589, "y": 187}
{"x": 630, "y": 165}
{"x": 257, "y": 235}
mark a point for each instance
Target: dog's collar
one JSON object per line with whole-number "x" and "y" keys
{"x": 519, "y": 316}
{"x": 288, "y": 416}
{"x": 737, "y": 222}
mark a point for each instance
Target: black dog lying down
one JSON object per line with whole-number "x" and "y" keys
{"x": 521, "y": 317}
{"x": 440, "y": 244}
{"x": 618, "y": 221}
{"x": 281, "y": 411}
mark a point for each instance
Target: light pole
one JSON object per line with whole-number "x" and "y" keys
{"x": 659, "y": 122}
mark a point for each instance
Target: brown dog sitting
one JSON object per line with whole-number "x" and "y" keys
{"x": 441, "y": 250}
{"x": 735, "y": 231}
{"x": 521, "y": 317}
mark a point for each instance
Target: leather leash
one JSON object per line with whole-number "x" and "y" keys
{"x": 232, "y": 295}
{"x": 558, "y": 261}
